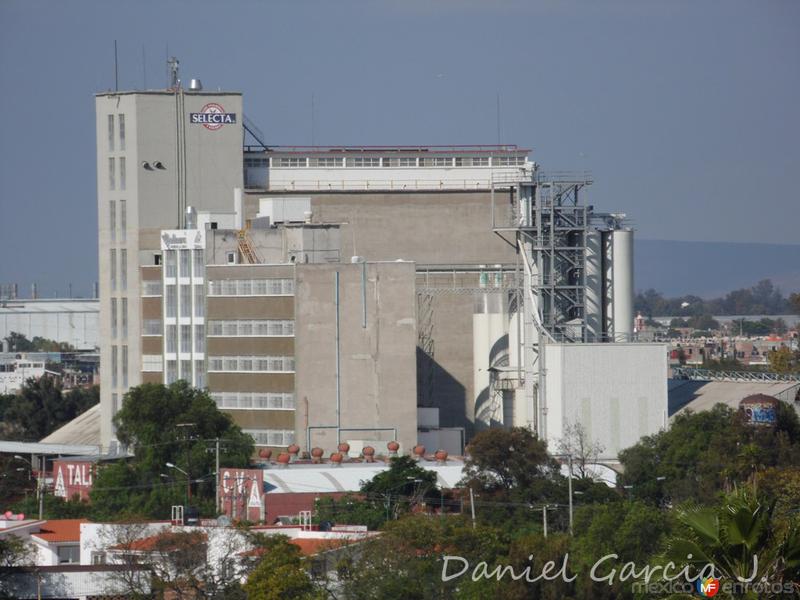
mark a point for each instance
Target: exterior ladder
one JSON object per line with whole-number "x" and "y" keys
{"x": 246, "y": 248}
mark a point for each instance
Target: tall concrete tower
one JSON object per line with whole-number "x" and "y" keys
{"x": 158, "y": 152}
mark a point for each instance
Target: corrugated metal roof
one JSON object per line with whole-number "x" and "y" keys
{"x": 76, "y": 305}
{"x": 703, "y": 395}
{"x": 82, "y": 430}
{"x": 48, "y": 449}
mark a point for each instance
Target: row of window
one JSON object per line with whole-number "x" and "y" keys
{"x": 254, "y": 400}
{"x": 120, "y": 269}
{"x": 392, "y": 161}
{"x": 251, "y": 287}
{"x": 171, "y": 304}
{"x": 151, "y": 287}
{"x": 271, "y": 437}
{"x": 192, "y": 263}
{"x": 182, "y": 369}
{"x": 123, "y": 220}
{"x": 185, "y": 339}
{"x": 245, "y": 328}
{"x": 251, "y": 364}
{"x": 111, "y": 131}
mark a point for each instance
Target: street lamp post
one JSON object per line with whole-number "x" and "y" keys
{"x": 39, "y": 483}
{"x": 188, "y": 481}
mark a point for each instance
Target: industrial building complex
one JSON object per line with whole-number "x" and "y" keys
{"x": 361, "y": 294}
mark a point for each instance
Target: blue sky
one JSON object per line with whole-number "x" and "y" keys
{"x": 684, "y": 111}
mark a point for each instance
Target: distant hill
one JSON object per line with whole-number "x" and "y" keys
{"x": 712, "y": 269}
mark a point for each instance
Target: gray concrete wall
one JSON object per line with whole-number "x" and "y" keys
{"x": 377, "y": 363}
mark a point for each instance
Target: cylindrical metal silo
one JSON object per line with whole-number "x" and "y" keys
{"x": 622, "y": 284}
{"x": 593, "y": 301}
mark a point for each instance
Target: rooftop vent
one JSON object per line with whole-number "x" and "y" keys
{"x": 195, "y": 85}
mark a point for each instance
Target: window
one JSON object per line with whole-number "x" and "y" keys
{"x": 251, "y": 328}
{"x": 151, "y": 327}
{"x": 172, "y": 371}
{"x": 114, "y": 365}
{"x": 508, "y": 161}
{"x": 254, "y": 364}
{"x": 185, "y": 263}
{"x": 69, "y": 554}
{"x": 112, "y": 184}
{"x": 172, "y": 339}
{"x": 402, "y": 161}
{"x": 151, "y": 287}
{"x": 199, "y": 263}
{"x": 113, "y": 260}
{"x": 186, "y": 370}
{"x": 230, "y": 258}
{"x": 200, "y": 373}
{"x": 121, "y": 120}
{"x": 364, "y": 161}
{"x": 152, "y": 363}
{"x": 125, "y": 367}
{"x": 124, "y": 318}
{"x": 199, "y": 339}
{"x": 286, "y": 161}
{"x": 186, "y": 338}
{"x": 170, "y": 263}
{"x": 112, "y": 220}
{"x": 122, "y": 174}
{"x": 123, "y": 220}
{"x": 114, "y": 402}
{"x": 251, "y": 287}
{"x": 110, "y": 133}
{"x": 199, "y": 301}
{"x": 480, "y": 161}
{"x": 172, "y": 301}
{"x": 113, "y": 317}
{"x": 186, "y": 300}
{"x": 326, "y": 162}
{"x": 123, "y": 269}
{"x": 254, "y": 400}
{"x": 436, "y": 161}
{"x": 271, "y": 437}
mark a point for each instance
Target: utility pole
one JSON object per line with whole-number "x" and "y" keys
{"x": 472, "y": 506}
{"x": 40, "y": 487}
{"x": 216, "y": 476}
{"x": 544, "y": 519}
{"x": 569, "y": 464}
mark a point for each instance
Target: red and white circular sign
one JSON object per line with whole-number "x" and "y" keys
{"x": 212, "y": 122}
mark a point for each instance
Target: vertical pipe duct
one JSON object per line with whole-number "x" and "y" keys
{"x": 238, "y": 208}
{"x": 594, "y": 286}
{"x": 622, "y": 242}
{"x": 607, "y": 285}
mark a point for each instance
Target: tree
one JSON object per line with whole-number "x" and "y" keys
{"x": 281, "y": 573}
{"x": 41, "y": 407}
{"x": 783, "y": 360}
{"x": 730, "y": 535}
{"x": 17, "y": 342}
{"x": 507, "y": 458}
{"x": 168, "y": 424}
{"x": 583, "y": 450}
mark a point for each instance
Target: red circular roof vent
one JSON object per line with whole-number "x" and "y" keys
{"x": 265, "y": 453}
{"x": 441, "y": 455}
{"x": 294, "y": 449}
{"x": 337, "y": 458}
{"x": 393, "y": 446}
{"x": 344, "y": 447}
{"x": 317, "y": 452}
{"x": 369, "y": 453}
{"x": 419, "y": 450}
{"x": 284, "y": 458}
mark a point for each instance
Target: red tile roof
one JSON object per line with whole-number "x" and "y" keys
{"x": 308, "y": 546}
{"x": 61, "y": 530}
{"x": 159, "y": 542}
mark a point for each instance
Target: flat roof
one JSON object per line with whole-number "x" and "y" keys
{"x": 469, "y": 149}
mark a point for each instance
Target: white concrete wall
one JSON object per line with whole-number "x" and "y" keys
{"x": 618, "y": 392}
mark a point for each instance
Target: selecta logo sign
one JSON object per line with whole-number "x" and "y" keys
{"x": 212, "y": 116}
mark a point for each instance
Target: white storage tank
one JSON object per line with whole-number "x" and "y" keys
{"x": 622, "y": 284}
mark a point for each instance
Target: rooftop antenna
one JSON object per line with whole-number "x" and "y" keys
{"x": 498, "y": 118}
{"x": 144, "y": 69}
{"x": 116, "y": 68}
{"x": 313, "y": 124}
{"x": 172, "y": 66}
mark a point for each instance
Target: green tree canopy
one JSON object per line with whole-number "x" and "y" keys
{"x": 173, "y": 424}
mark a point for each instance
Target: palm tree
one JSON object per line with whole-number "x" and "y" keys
{"x": 738, "y": 538}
